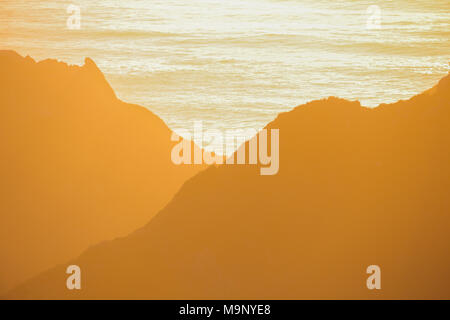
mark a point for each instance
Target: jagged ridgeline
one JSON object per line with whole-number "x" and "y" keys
{"x": 77, "y": 166}
{"x": 355, "y": 187}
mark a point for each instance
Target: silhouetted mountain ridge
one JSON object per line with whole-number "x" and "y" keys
{"x": 356, "y": 187}
{"x": 78, "y": 165}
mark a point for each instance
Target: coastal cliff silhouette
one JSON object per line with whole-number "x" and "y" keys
{"x": 77, "y": 166}
{"x": 355, "y": 187}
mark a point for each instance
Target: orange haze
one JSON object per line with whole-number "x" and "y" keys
{"x": 356, "y": 187}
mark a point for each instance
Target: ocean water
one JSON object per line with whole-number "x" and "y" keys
{"x": 237, "y": 63}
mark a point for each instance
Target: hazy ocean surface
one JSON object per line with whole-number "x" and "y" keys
{"x": 238, "y": 63}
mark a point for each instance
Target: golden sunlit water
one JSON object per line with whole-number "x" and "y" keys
{"x": 237, "y": 64}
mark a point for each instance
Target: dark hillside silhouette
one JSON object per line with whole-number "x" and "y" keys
{"x": 356, "y": 187}
{"x": 77, "y": 166}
